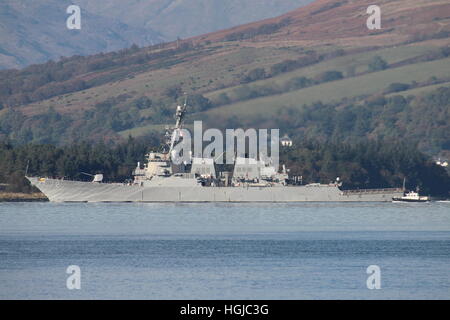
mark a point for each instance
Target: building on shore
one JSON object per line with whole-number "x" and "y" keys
{"x": 286, "y": 141}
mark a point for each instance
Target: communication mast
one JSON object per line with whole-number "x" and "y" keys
{"x": 179, "y": 116}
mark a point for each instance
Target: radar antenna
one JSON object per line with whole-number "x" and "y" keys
{"x": 179, "y": 116}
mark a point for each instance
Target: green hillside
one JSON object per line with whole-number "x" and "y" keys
{"x": 367, "y": 84}
{"x": 246, "y": 76}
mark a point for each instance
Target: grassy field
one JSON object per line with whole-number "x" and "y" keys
{"x": 222, "y": 68}
{"x": 358, "y": 61}
{"x": 207, "y": 72}
{"x": 367, "y": 84}
{"x": 245, "y": 60}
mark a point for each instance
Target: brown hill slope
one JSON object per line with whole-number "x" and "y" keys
{"x": 34, "y": 31}
{"x": 345, "y": 22}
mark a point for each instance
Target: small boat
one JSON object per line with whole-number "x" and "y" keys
{"x": 411, "y": 197}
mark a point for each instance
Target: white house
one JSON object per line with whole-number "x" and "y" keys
{"x": 286, "y": 141}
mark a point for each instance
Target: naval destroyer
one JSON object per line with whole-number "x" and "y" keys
{"x": 159, "y": 180}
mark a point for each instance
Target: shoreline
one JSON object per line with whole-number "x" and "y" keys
{"x": 22, "y": 197}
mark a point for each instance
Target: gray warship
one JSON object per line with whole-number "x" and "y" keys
{"x": 159, "y": 180}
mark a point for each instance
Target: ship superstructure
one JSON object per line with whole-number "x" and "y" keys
{"x": 159, "y": 169}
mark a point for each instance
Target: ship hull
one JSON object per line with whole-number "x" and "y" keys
{"x": 73, "y": 191}
{"x": 409, "y": 200}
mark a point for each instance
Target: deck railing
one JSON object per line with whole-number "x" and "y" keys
{"x": 358, "y": 191}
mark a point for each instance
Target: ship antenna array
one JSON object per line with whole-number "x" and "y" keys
{"x": 179, "y": 116}
{"x": 87, "y": 174}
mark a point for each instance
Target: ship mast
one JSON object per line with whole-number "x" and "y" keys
{"x": 179, "y": 116}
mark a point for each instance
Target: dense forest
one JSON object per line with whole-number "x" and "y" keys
{"x": 103, "y": 123}
{"x": 368, "y": 164}
{"x": 116, "y": 162}
{"x": 423, "y": 120}
{"x": 372, "y": 164}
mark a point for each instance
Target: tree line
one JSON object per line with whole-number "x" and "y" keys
{"x": 115, "y": 161}
{"x": 368, "y": 164}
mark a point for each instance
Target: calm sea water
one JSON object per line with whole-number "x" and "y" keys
{"x": 218, "y": 251}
